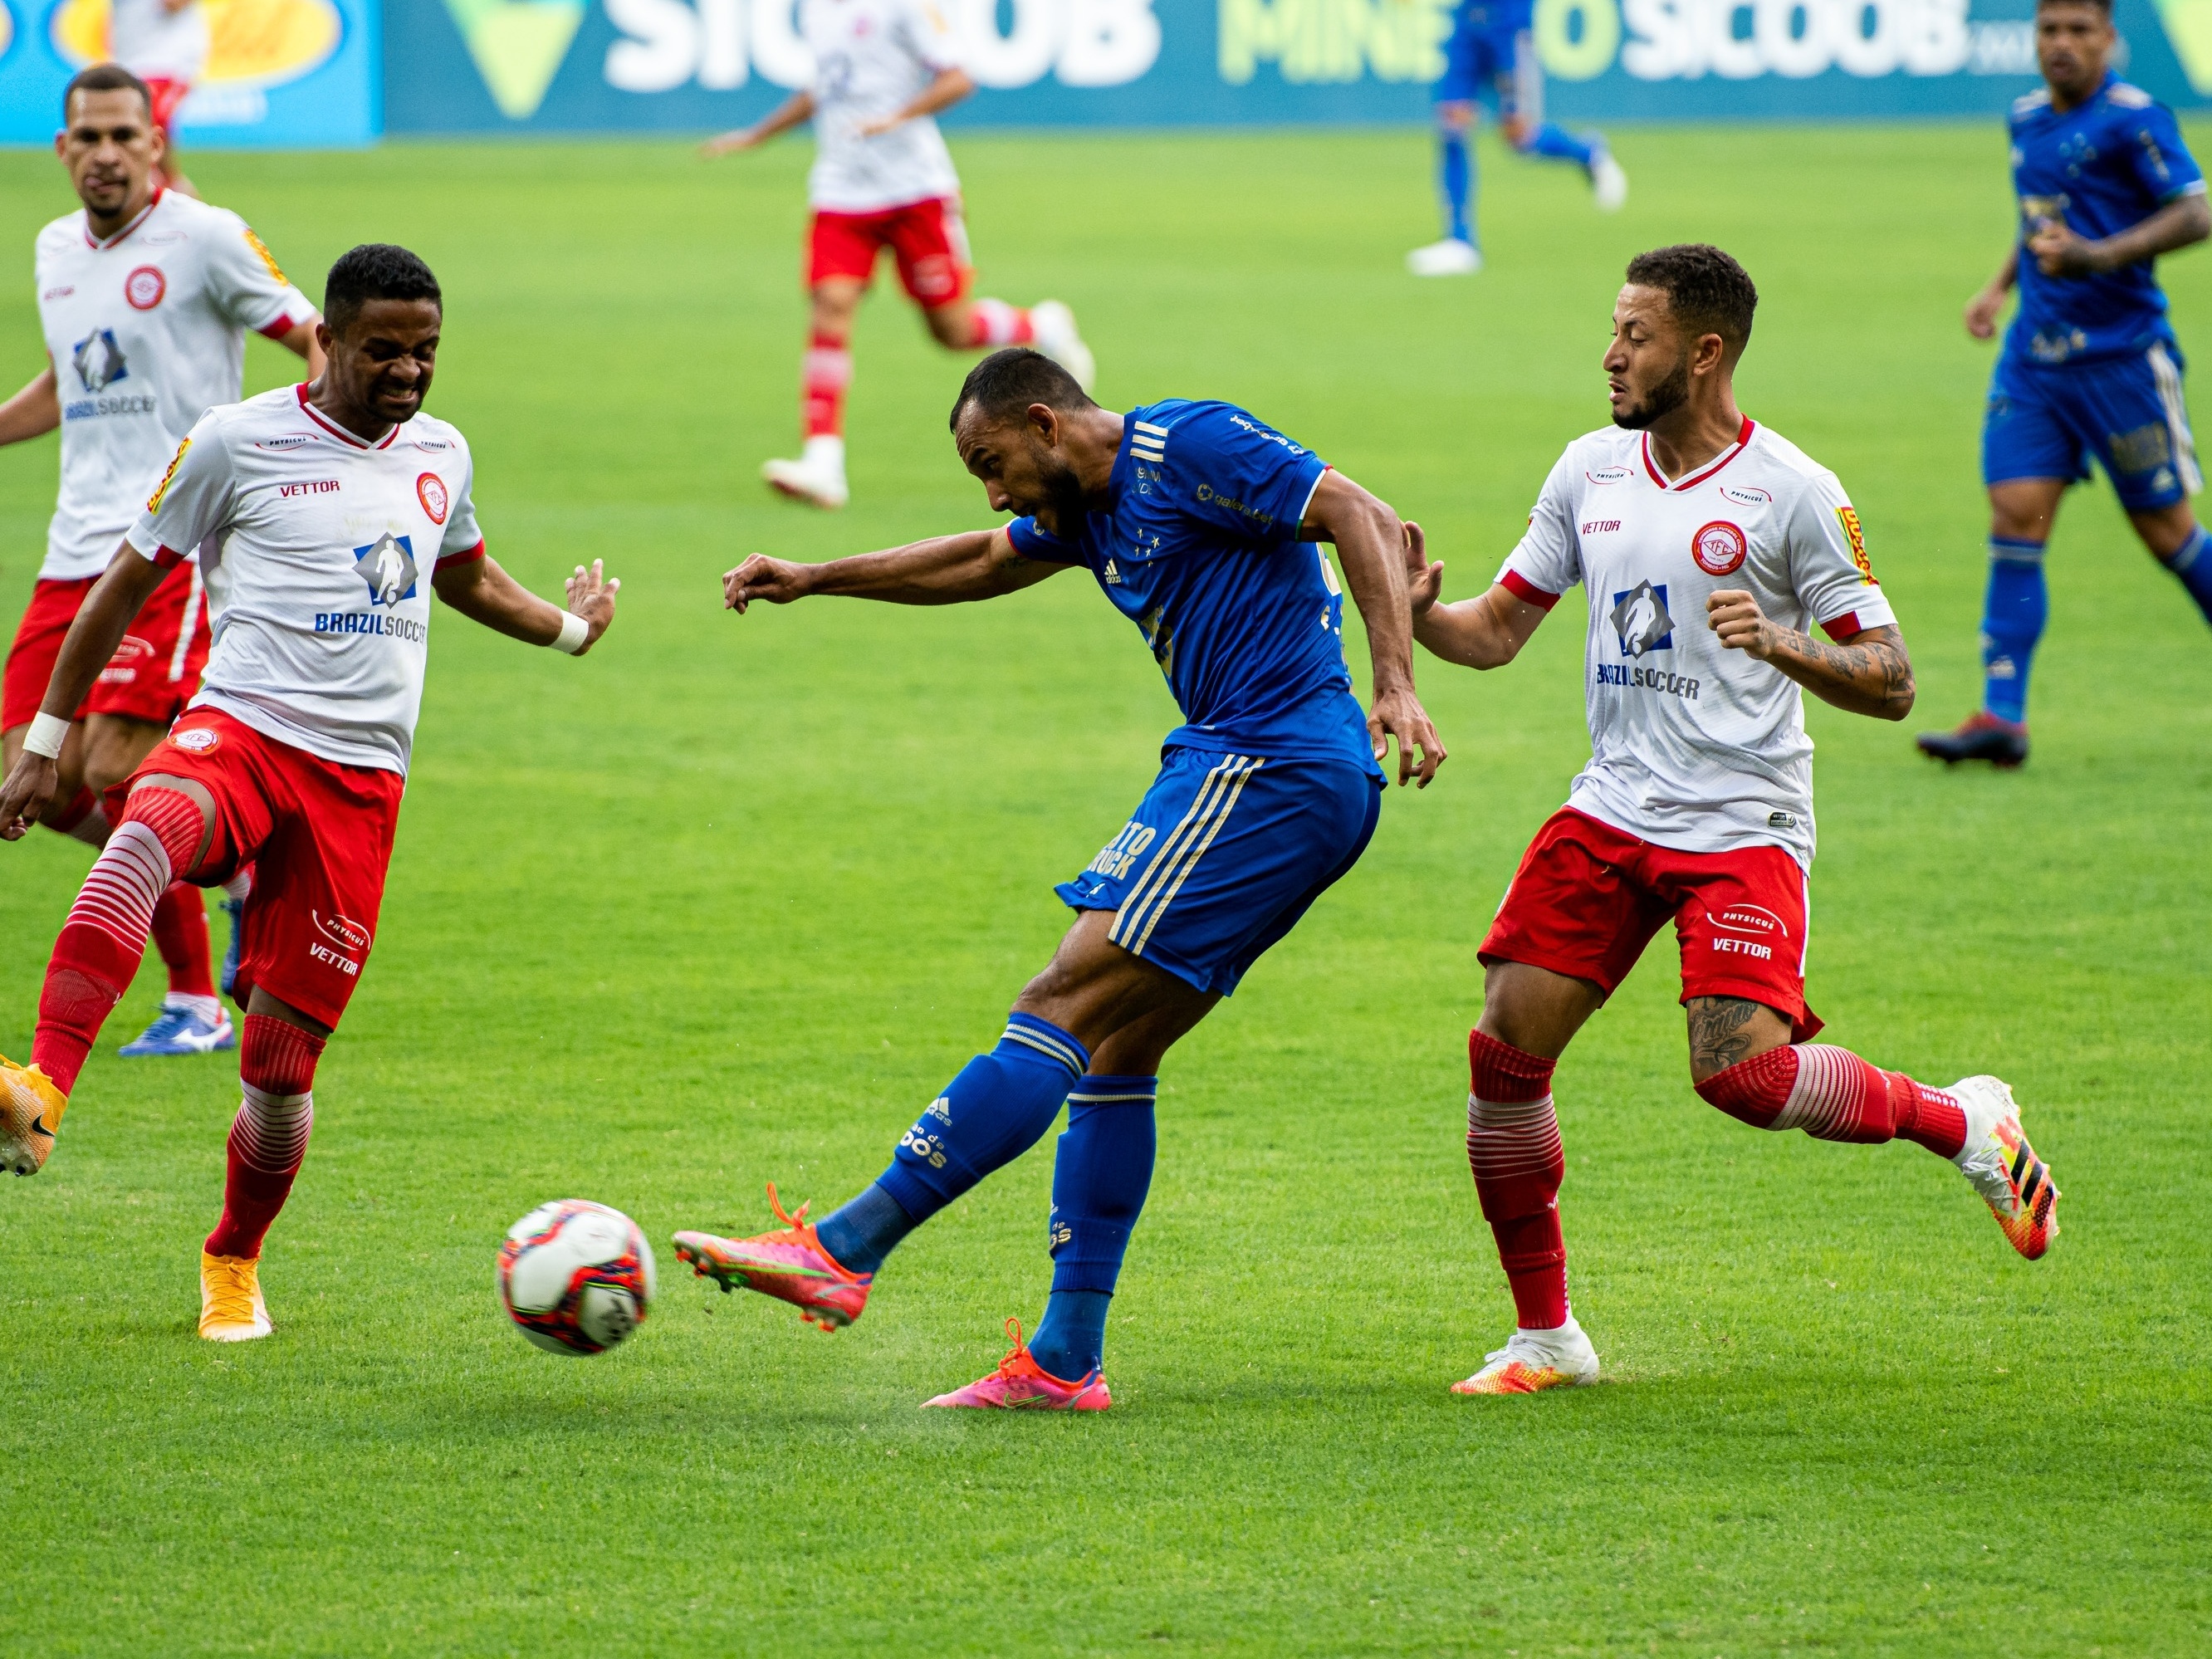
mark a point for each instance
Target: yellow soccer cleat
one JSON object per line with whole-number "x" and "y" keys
{"x": 31, "y": 1109}
{"x": 231, "y": 1308}
{"x": 1532, "y": 1361}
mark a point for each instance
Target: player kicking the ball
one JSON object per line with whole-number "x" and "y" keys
{"x": 1200, "y": 524}
{"x": 326, "y": 512}
{"x": 144, "y": 299}
{"x": 1710, "y": 547}
{"x": 882, "y": 178}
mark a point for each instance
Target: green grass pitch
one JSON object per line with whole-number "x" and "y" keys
{"x": 729, "y": 900}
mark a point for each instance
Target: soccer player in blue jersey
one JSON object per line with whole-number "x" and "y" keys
{"x": 1491, "y": 52}
{"x": 1202, "y": 525}
{"x": 2089, "y": 366}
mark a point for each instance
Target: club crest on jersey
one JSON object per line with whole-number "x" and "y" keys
{"x": 1640, "y": 619}
{"x": 196, "y": 739}
{"x": 99, "y": 362}
{"x": 1849, "y": 518}
{"x": 144, "y": 286}
{"x": 430, "y": 491}
{"x": 387, "y": 565}
{"x": 1718, "y": 547}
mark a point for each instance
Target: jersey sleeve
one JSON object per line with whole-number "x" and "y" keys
{"x": 2161, "y": 160}
{"x": 1231, "y": 472}
{"x": 462, "y": 539}
{"x": 928, "y": 34}
{"x": 1033, "y": 541}
{"x": 247, "y": 285}
{"x": 191, "y": 502}
{"x": 1548, "y": 561}
{"x": 1828, "y": 564}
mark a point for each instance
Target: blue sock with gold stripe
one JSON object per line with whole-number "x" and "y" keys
{"x": 996, "y": 1109}
{"x": 1103, "y": 1170}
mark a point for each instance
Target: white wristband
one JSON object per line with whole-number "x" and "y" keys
{"x": 47, "y": 734}
{"x": 574, "y": 630}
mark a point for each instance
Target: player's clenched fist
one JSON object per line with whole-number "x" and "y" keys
{"x": 1739, "y": 623}
{"x": 777, "y": 580}
{"x": 27, "y": 792}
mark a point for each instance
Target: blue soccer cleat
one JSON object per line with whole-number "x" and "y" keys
{"x": 180, "y": 1031}
{"x": 236, "y": 910}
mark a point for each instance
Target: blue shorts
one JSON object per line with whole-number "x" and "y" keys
{"x": 1501, "y": 64}
{"x": 2046, "y": 420}
{"x": 1222, "y": 857}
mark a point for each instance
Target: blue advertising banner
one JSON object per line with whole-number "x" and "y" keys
{"x": 280, "y": 74}
{"x": 601, "y": 65}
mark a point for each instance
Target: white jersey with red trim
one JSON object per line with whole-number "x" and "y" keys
{"x": 870, "y": 59}
{"x": 157, "y": 44}
{"x": 318, "y": 549}
{"x": 147, "y": 333}
{"x": 1693, "y": 746}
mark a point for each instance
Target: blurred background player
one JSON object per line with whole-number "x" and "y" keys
{"x": 1710, "y": 547}
{"x": 2089, "y": 366}
{"x": 1491, "y": 52}
{"x": 333, "y": 508}
{"x": 144, "y": 299}
{"x": 165, "y": 44}
{"x": 882, "y": 178}
{"x": 1200, "y": 524}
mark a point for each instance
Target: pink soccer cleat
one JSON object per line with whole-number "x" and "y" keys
{"x": 1021, "y": 1384}
{"x": 789, "y": 1264}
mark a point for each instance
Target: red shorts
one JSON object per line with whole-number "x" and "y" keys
{"x": 152, "y": 673}
{"x": 1587, "y": 898}
{"x": 319, "y": 836}
{"x": 927, "y": 238}
{"x": 166, "y": 94}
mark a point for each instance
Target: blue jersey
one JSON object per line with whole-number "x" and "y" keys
{"x": 1495, "y": 19}
{"x": 2103, "y": 166}
{"x": 1199, "y": 547}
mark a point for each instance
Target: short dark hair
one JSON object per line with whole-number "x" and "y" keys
{"x": 106, "y": 77}
{"x": 1708, "y": 292}
{"x": 1007, "y": 382}
{"x": 374, "y": 270}
{"x": 2104, "y": 6}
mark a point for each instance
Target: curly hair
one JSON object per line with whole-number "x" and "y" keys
{"x": 1708, "y": 292}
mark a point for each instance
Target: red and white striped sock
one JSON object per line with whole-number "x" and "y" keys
{"x": 824, "y": 373}
{"x": 1513, "y": 1147}
{"x": 997, "y": 324}
{"x": 105, "y": 936}
{"x": 1832, "y": 1095}
{"x": 268, "y": 1136}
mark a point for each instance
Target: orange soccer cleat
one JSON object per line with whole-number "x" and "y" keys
{"x": 1021, "y": 1384}
{"x": 789, "y": 1264}
{"x": 232, "y": 1308}
{"x": 31, "y": 1109}
{"x": 1532, "y": 1361}
{"x": 2003, "y": 1167}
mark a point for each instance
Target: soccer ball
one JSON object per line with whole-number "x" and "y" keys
{"x": 575, "y": 1276}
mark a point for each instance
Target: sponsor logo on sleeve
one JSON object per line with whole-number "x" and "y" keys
{"x": 267, "y": 258}
{"x": 430, "y": 489}
{"x": 1849, "y": 518}
{"x": 1719, "y": 548}
{"x": 161, "y": 490}
{"x": 144, "y": 286}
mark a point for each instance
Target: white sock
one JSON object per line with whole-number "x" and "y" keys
{"x": 240, "y": 885}
{"x": 207, "y": 1008}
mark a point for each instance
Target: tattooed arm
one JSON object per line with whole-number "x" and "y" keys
{"x": 1870, "y": 673}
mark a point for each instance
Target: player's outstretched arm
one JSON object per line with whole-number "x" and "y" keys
{"x": 949, "y": 87}
{"x": 1486, "y": 631}
{"x": 795, "y": 111}
{"x": 976, "y": 564}
{"x": 129, "y": 581}
{"x": 33, "y": 412}
{"x": 1870, "y": 673}
{"x": 483, "y": 592}
{"x": 1369, "y": 545}
{"x": 2182, "y": 222}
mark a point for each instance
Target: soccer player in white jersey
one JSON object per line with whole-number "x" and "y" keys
{"x": 882, "y": 178}
{"x": 327, "y": 512}
{"x": 1711, "y": 548}
{"x": 165, "y": 44}
{"x": 144, "y": 299}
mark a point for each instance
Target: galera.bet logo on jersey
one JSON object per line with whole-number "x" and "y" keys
{"x": 387, "y": 565}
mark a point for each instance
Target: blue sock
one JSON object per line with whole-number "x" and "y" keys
{"x": 1556, "y": 142}
{"x": 1456, "y": 177}
{"x": 2012, "y": 616}
{"x": 1103, "y": 1170}
{"x": 2194, "y": 565}
{"x": 996, "y": 1109}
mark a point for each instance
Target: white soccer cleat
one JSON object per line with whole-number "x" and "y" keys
{"x": 1608, "y": 182}
{"x": 1450, "y": 257}
{"x": 817, "y": 476}
{"x": 231, "y": 1306}
{"x": 1532, "y": 1361}
{"x": 1053, "y": 326}
{"x": 1999, "y": 1164}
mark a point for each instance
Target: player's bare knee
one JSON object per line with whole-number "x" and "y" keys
{"x": 2165, "y": 530}
{"x": 1726, "y": 1031}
